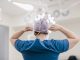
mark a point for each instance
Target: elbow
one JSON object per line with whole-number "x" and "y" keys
{"x": 75, "y": 37}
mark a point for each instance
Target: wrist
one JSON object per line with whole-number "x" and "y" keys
{"x": 61, "y": 28}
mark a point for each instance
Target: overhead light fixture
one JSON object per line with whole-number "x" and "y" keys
{"x": 27, "y": 7}
{"x": 9, "y": 0}
{"x": 46, "y": 16}
{"x": 65, "y": 13}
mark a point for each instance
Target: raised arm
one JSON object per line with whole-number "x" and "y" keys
{"x": 16, "y": 35}
{"x": 72, "y": 38}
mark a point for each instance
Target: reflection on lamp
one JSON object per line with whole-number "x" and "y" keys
{"x": 65, "y": 13}
{"x": 27, "y": 7}
{"x": 56, "y": 13}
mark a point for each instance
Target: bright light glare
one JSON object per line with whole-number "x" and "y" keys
{"x": 27, "y": 7}
{"x": 51, "y": 19}
{"x": 48, "y": 17}
{"x": 9, "y": 0}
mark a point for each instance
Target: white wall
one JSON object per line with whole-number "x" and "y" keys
{"x": 4, "y": 39}
{"x": 11, "y": 20}
{"x": 72, "y": 24}
{"x": 13, "y": 53}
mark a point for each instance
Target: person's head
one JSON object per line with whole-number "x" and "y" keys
{"x": 41, "y": 28}
{"x": 72, "y": 58}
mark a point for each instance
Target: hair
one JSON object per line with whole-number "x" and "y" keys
{"x": 72, "y": 58}
{"x": 38, "y": 33}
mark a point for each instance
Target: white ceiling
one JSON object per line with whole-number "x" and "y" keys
{"x": 73, "y": 7}
{"x": 49, "y": 5}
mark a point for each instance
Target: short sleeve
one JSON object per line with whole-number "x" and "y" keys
{"x": 22, "y": 45}
{"x": 60, "y": 45}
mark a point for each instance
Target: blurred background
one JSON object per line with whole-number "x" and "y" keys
{"x": 15, "y": 14}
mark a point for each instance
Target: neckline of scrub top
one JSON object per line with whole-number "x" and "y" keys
{"x": 40, "y": 43}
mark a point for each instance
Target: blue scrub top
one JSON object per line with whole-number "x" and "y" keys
{"x": 41, "y": 50}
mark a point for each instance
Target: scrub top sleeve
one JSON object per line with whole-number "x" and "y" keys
{"x": 61, "y": 45}
{"x": 21, "y": 45}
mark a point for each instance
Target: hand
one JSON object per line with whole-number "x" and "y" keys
{"x": 28, "y": 29}
{"x": 55, "y": 27}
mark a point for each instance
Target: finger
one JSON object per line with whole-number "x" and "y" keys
{"x": 53, "y": 25}
{"x": 27, "y": 28}
{"x": 30, "y": 29}
{"x": 52, "y": 29}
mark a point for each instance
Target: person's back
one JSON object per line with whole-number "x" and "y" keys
{"x": 40, "y": 48}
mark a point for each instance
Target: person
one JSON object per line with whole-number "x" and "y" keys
{"x": 41, "y": 48}
{"x": 72, "y": 57}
